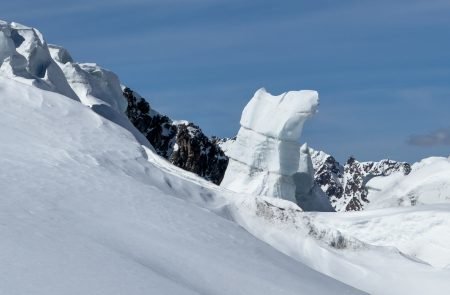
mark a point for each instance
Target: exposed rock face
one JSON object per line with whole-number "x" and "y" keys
{"x": 346, "y": 185}
{"x": 182, "y": 143}
{"x": 357, "y": 174}
{"x": 329, "y": 175}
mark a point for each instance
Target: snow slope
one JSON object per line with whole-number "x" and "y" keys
{"x": 390, "y": 251}
{"x": 83, "y": 211}
{"x": 428, "y": 183}
{"x": 378, "y": 251}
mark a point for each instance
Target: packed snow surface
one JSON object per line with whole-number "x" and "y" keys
{"x": 266, "y": 154}
{"x": 428, "y": 183}
{"x": 83, "y": 211}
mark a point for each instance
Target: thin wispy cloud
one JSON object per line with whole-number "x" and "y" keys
{"x": 439, "y": 137}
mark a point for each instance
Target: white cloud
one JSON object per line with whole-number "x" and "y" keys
{"x": 439, "y": 137}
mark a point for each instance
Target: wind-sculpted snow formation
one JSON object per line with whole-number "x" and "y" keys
{"x": 265, "y": 155}
{"x": 24, "y": 56}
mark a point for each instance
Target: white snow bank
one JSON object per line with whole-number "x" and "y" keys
{"x": 421, "y": 232}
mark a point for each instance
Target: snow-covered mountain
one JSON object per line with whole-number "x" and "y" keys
{"x": 347, "y": 186}
{"x": 427, "y": 183}
{"x": 87, "y": 205}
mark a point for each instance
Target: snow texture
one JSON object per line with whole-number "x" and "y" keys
{"x": 92, "y": 215}
{"x": 428, "y": 183}
{"x": 24, "y": 55}
{"x": 308, "y": 194}
{"x": 265, "y": 155}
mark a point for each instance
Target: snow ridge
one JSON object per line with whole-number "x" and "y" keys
{"x": 346, "y": 186}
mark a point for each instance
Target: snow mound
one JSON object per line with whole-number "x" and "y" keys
{"x": 265, "y": 155}
{"x": 428, "y": 183}
{"x": 92, "y": 84}
{"x": 421, "y": 232}
{"x": 25, "y": 56}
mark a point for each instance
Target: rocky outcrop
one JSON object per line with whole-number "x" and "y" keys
{"x": 182, "y": 143}
{"x": 345, "y": 185}
{"x": 308, "y": 193}
{"x": 357, "y": 174}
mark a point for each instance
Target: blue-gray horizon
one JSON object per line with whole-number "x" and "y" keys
{"x": 382, "y": 68}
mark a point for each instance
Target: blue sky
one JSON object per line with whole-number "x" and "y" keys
{"x": 382, "y": 68}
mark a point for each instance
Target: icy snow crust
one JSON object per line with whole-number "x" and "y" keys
{"x": 265, "y": 154}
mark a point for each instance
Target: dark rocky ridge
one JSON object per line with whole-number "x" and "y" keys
{"x": 183, "y": 144}
{"x": 345, "y": 185}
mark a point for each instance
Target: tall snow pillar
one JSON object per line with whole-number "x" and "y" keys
{"x": 266, "y": 155}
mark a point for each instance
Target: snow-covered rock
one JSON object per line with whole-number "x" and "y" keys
{"x": 347, "y": 186}
{"x": 428, "y": 183}
{"x": 265, "y": 155}
{"x": 358, "y": 174}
